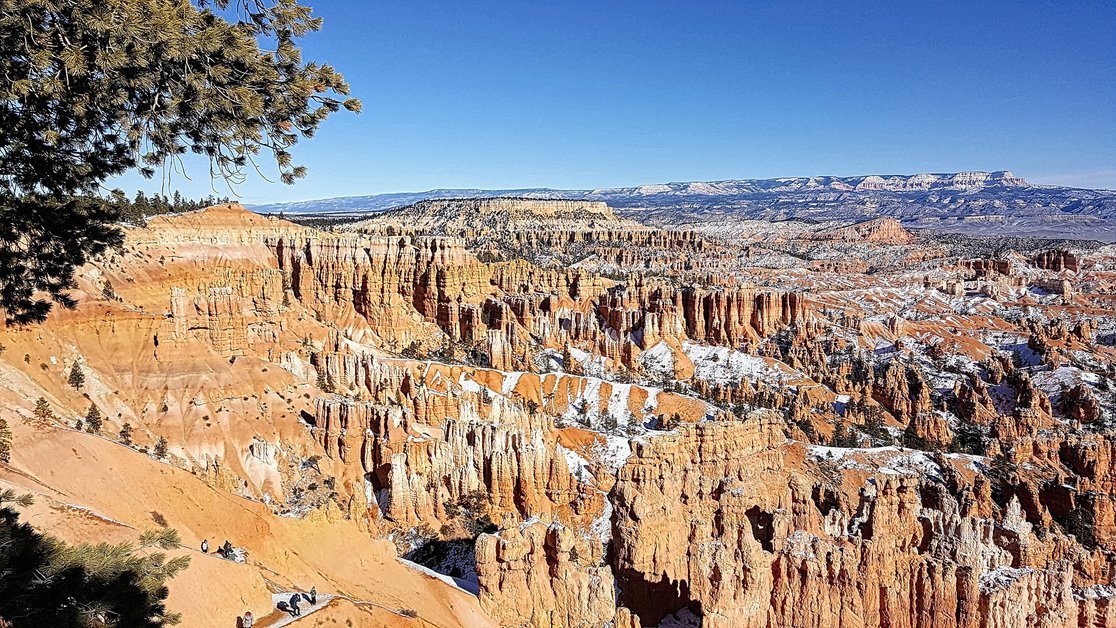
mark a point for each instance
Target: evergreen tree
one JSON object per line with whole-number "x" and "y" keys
{"x": 92, "y": 89}
{"x": 43, "y": 414}
{"x": 968, "y": 438}
{"x": 160, "y": 450}
{"x": 5, "y": 442}
{"x": 77, "y": 376}
{"x": 45, "y": 582}
{"x": 126, "y": 434}
{"x": 842, "y": 437}
{"x": 325, "y": 383}
{"x": 93, "y": 419}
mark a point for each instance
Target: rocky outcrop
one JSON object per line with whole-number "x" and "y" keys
{"x": 1055, "y": 261}
{"x": 724, "y": 518}
{"x": 419, "y": 470}
{"x": 878, "y": 231}
{"x": 902, "y": 391}
{"x": 544, "y": 576}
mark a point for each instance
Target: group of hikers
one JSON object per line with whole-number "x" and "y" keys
{"x": 291, "y": 605}
{"x": 287, "y": 606}
{"x": 226, "y": 550}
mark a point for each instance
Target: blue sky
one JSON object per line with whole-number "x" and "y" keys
{"x": 600, "y": 94}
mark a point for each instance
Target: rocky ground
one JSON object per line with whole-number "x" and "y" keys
{"x": 571, "y": 419}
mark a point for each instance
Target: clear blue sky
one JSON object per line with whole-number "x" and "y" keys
{"x": 598, "y": 93}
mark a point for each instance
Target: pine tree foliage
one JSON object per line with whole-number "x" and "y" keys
{"x": 45, "y": 582}
{"x": 93, "y": 419}
{"x": 161, "y": 446}
{"x": 43, "y": 414}
{"x": 90, "y": 89}
{"x": 77, "y": 376}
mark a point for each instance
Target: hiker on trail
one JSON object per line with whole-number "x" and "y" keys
{"x": 205, "y": 546}
{"x": 227, "y": 550}
{"x": 313, "y": 595}
{"x": 294, "y": 605}
{"x": 248, "y": 620}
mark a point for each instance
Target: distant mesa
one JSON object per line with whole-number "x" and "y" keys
{"x": 972, "y": 202}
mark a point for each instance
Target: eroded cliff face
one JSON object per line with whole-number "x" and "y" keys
{"x": 543, "y": 575}
{"x": 730, "y": 519}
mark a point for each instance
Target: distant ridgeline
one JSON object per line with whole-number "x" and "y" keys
{"x": 975, "y": 203}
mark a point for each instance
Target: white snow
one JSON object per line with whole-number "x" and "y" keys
{"x": 681, "y": 618}
{"x": 1002, "y": 577}
{"x": 601, "y": 527}
{"x": 579, "y": 466}
{"x": 658, "y": 359}
{"x": 589, "y": 364}
{"x": 723, "y": 365}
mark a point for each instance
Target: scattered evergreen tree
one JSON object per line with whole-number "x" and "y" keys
{"x": 77, "y": 376}
{"x": 873, "y": 426}
{"x": 5, "y": 442}
{"x": 93, "y": 89}
{"x": 1081, "y": 523}
{"x": 843, "y": 437}
{"x": 126, "y": 434}
{"x": 325, "y": 382}
{"x": 968, "y": 438}
{"x": 43, "y": 414}
{"x": 914, "y": 441}
{"x": 160, "y": 450}
{"x": 93, "y": 419}
{"x": 412, "y": 351}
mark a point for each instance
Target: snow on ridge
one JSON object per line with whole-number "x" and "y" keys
{"x": 724, "y": 365}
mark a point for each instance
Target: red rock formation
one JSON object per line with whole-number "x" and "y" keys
{"x": 1056, "y": 261}
{"x": 724, "y": 517}
{"x": 544, "y": 576}
{"x": 877, "y": 230}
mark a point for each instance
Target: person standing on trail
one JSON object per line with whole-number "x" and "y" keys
{"x": 294, "y": 605}
{"x": 313, "y": 595}
{"x": 205, "y": 546}
{"x": 248, "y": 621}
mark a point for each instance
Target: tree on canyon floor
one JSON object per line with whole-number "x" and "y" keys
{"x": 325, "y": 383}
{"x": 45, "y": 582}
{"x": 91, "y": 89}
